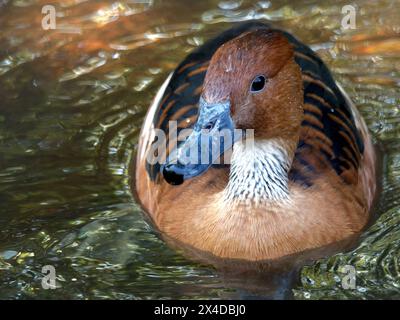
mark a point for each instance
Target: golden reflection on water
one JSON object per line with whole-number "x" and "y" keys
{"x": 72, "y": 103}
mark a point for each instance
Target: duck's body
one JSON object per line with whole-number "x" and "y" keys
{"x": 307, "y": 181}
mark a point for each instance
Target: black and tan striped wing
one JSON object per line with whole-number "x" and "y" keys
{"x": 329, "y": 134}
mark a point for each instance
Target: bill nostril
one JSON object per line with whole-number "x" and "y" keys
{"x": 209, "y": 125}
{"x": 171, "y": 176}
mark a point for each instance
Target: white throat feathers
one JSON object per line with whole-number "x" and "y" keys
{"x": 259, "y": 173}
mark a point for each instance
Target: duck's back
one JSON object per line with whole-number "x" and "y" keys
{"x": 332, "y": 134}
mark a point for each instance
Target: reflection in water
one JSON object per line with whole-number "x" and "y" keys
{"x": 72, "y": 103}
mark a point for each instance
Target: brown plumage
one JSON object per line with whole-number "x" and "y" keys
{"x": 325, "y": 161}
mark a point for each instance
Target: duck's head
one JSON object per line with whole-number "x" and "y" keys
{"x": 252, "y": 82}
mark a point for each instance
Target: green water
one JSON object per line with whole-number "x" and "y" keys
{"x": 72, "y": 101}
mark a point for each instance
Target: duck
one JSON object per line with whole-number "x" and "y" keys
{"x": 299, "y": 175}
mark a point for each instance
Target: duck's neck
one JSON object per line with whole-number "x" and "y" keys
{"x": 259, "y": 173}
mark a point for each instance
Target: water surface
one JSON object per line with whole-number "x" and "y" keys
{"x": 72, "y": 101}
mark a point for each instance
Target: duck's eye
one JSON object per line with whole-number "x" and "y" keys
{"x": 258, "y": 84}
